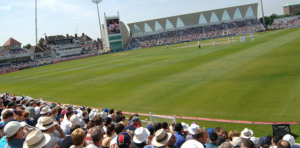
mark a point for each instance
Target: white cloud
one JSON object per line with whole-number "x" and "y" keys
{"x": 7, "y": 8}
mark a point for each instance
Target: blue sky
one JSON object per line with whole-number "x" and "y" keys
{"x": 65, "y": 16}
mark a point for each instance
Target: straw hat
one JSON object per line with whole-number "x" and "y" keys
{"x": 45, "y": 110}
{"x": 46, "y": 123}
{"x": 161, "y": 138}
{"x": 36, "y": 139}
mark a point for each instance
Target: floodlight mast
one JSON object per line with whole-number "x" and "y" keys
{"x": 263, "y": 15}
{"x": 97, "y": 2}
{"x": 36, "y": 39}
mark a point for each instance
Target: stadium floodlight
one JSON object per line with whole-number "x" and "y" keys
{"x": 263, "y": 15}
{"x": 36, "y": 39}
{"x": 97, "y": 2}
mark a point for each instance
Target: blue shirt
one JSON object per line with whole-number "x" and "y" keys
{"x": 3, "y": 142}
{"x": 179, "y": 139}
{"x": 15, "y": 143}
{"x": 211, "y": 145}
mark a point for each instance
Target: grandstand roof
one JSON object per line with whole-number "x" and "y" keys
{"x": 11, "y": 41}
{"x": 194, "y": 19}
{"x": 84, "y": 38}
{"x": 291, "y": 4}
{"x": 37, "y": 49}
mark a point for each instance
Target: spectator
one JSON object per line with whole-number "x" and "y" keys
{"x": 164, "y": 125}
{"x": 264, "y": 142}
{"x": 157, "y": 126}
{"x": 274, "y": 141}
{"x": 246, "y": 133}
{"x": 123, "y": 140}
{"x": 30, "y": 108}
{"x": 179, "y": 135}
{"x": 14, "y": 134}
{"x": 140, "y": 137}
{"x": 7, "y": 114}
{"x": 161, "y": 138}
{"x": 118, "y": 129}
{"x": 36, "y": 139}
{"x": 97, "y": 123}
{"x": 67, "y": 142}
{"x": 247, "y": 143}
{"x": 233, "y": 133}
{"x": 192, "y": 144}
{"x": 225, "y": 145}
{"x": 43, "y": 113}
{"x": 27, "y": 119}
{"x": 219, "y": 131}
{"x": 66, "y": 124}
{"x": 201, "y": 136}
{"x": 119, "y": 115}
{"x": 47, "y": 126}
{"x": 78, "y": 138}
{"x": 213, "y": 140}
{"x": 123, "y": 119}
{"x": 96, "y": 135}
{"x": 237, "y": 142}
{"x": 1, "y": 130}
{"x": 150, "y": 128}
{"x": 289, "y": 138}
{"x": 112, "y": 114}
{"x": 37, "y": 107}
{"x": 192, "y": 130}
{"x": 136, "y": 122}
{"x": 110, "y": 134}
{"x": 283, "y": 144}
{"x": 107, "y": 121}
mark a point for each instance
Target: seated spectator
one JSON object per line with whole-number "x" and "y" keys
{"x": 246, "y": 133}
{"x": 47, "y": 126}
{"x": 289, "y": 138}
{"x": 123, "y": 119}
{"x": 123, "y": 140}
{"x": 164, "y": 125}
{"x": 27, "y": 119}
{"x": 233, "y": 133}
{"x": 237, "y": 142}
{"x": 192, "y": 144}
{"x": 161, "y": 138}
{"x": 67, "y": 142}
{"x": 213, "y": 140}
{"x": 136, "y": 122}
{"x": 192, "y": 130}
{"x": 226, "y": 145}
{"x": 219, "y": 131}
{"x": 31, "y": 109}
{"x": 274, "y": 141}
{"x": 247, "y": 143}
{"x": 107, "y": 121}
{"x": 6, "y": 115}
{"x": 118, "y": 129}
{"x": 110, "y": 134}
{"x": 14, "y": 134}
{"x": 97, "y": 123}
{"x": 119, "y": 116}
{"x": 283, "y": 144}
{"x": 179, "y": 135}
{"x": 150, "y": 128}
{"x": 264, "y": 142}
{"x": 96, "y": 135}
{"x": 66, "y": 124}
{"x": 201, "y": 136}
{"x": 140, "y": 137}
{"x": 36, "y": 139}
{"x": 78, "y": 138}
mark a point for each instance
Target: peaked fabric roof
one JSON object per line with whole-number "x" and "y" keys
{"x": 11, "y": 41}
{"x": 291, "y": 4}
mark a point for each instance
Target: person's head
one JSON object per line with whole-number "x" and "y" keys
{"x": 283, "y": 144}
{"x": 247, "y": 143}
{"x": 264, "y": 142}
{"x": 13, "y": 130}
{"x": 69, "y": 109}
{"x": 38, "y": 103}
{"x": 26, "y": 115}
{"x": 119, "y": 113}
{"x": 69, "y": 114}
{"x": 7, "y": 115}
{"x": 46, "y": 124}
{"x": 226, "y": 145}
{"x": 110, "y": 130}
{"x": 107, "y": 121}
{"x": 233, "y": 133}
{"x": 136, "y": 121}
{"x": 151, "y": 129}
{"x": 119, "y": 128}
{"x": 157, "y": 126}
{"x": 178, "y": 127}
{"x": 161, "y": 138}
{"x": 123, "y": 140}
{"x": 201, "y": 135}
{"x": 74, "y": 127}
{"x": 123, "y": 118}
{"x": 11, "y": 105}
{"x": 213, "y": 137}
{"x": 275, "y": 140}
{"x": 96, "y": 135}
{"x": 54, "y": 111}
{"x": 219, "y": 131}
{"x": 111, "y": 111}
{"x": 98, "y": 121}
{"x": 165, "y": 125}
{"x": 225, "y": 134}
{"x": 78, "y": 137}
{"x": 31, "y": 104}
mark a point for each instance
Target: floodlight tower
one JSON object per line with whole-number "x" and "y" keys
{"x": 262, "y": 10}
{"x": 97, "y": 2}
{"x": 36, "y": 39}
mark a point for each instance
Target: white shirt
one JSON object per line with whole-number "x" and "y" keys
{"x": 54, "y": 141}
{"x": 65, "y": 125}
{"x": 37, "y": 109}
{"x": 93, "y": 146}
{"x": 113, "y": 141}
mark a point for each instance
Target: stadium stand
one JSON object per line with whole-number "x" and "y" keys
{"x": 62, "y": 123}
{"x": 283, "y": 23}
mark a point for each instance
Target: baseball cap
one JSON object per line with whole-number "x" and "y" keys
{"x": 151, "y": 128}
{"x": 105, "y": 110}
{"x": 1, "y": 126}
{"x": 123, "y": 140}
{"x": 82, "y": 108}
{"x": 263, "y": 141}
{"x": 136, "y": 118}
{"x": 12, "y": 128}
{"x": 209, "y": 130}
{"x": 213, "y": 136}
{"x": 107, "y": 120}
{"x": 10, "y": 104}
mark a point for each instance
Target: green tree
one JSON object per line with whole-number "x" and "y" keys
{"x": 41, "y": 41}
{"x": 298, "y": 13}
{"x": 267, "y": 19}
{"x": 287, "y": 15}
{"x": 272, "y": 17}
{"x": 27, "y": 46}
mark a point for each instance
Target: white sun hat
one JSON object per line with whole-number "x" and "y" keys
{"x": 193, "y": 128}
{"x": 192, "y": 144}
{"x": 246, "y": 133}
{"x": 184, "y": 125}
{"x": 36, "y": 139}
{"x": 74, "y": 120}
{"x": 46, "y": 123}
{"x": 45, "y": 110}
{"x": 289, "y": 138}
{"x": 141, "y": 135}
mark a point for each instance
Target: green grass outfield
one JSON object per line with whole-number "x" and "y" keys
{"x": 253, "y": 81}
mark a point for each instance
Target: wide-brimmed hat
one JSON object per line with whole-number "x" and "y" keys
{"x": 141, "y": 135}
{"x": 255, "y": 140}
{"x": 45, "y": 110}
{"x": 185, "y": 126}
{"x": 237, "y": 141}
{"x": 36, "y": 139}
{"x": 46, "y": 123}
{"x": 93, "y": 114}
{"x": 246, "y": 133}
{"x": 161, "y": 138}
{"x": 74, "y": 120}
{"x": 193, "y": 128}
{"x": 192, "y": 144}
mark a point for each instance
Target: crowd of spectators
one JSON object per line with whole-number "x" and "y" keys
{"x": 29, "y": 63}
{"x": 7, "y": 53}
{"x": 29, "y": 123}
{"x": 286, "y": 23}
{"x": 197, "y": 33}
